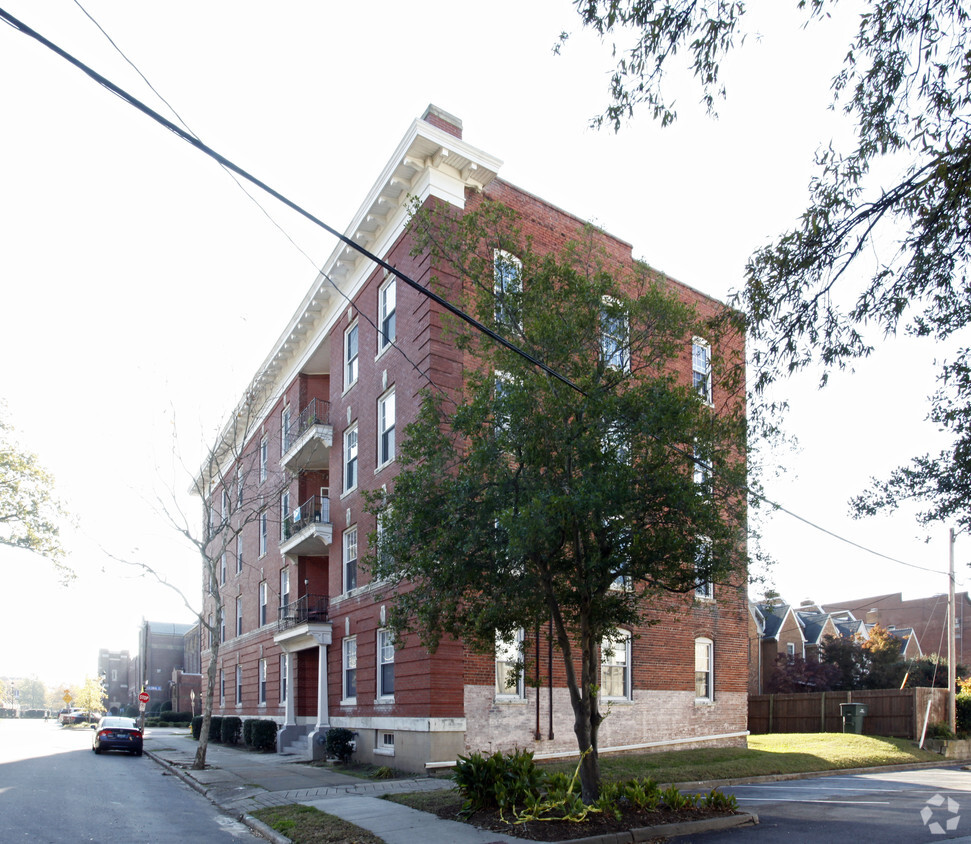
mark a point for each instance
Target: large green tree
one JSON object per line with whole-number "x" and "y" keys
{"x": 523, "y": 500}
{"x": 30, "y": 515}
{"x": 871, "y": 256}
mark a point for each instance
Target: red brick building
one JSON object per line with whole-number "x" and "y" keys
{"x": 305, "y": 641}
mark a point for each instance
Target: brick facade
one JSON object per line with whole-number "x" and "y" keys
{"x": 442, "y": 704}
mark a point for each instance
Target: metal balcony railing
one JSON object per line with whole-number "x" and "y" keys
{"x": 314, "y": 510}
{"x": 307, "y": 608}
{"x": 315, "y": 413}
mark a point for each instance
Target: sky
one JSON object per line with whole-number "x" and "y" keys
{"x": 141, "y": 288}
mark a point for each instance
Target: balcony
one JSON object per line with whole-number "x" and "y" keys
{"x": 303, "y": 624}
{"x": 307, "y": 531}
{"x": 309, "y": 438}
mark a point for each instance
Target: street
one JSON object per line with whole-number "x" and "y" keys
{"x": 54, "y": 789}
{"x": 930, "y": 804}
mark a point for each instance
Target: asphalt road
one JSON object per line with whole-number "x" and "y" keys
{"x": 927, "y": 805}
{"x": 54, "y": 789}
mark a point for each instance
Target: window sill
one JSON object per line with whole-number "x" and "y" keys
{"x": 348, "y": 492}
{"x": 349, "y": 701}
{"x": 509, "y": 700}
{"x": 384, "y": 751}
{"x": 382, "y": 351}
{"x": 704, "y": 701}
{"x": 384, "y": 465}
{"x": 350, "y": 387}
{"x": 384, "y": 700}
{"x": 618, "y": 701}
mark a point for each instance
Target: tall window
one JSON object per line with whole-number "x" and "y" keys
{"x": 704, "y": 589}
{"x": 507, "y": 284}
{"x": 225, "y": 508}
{"x": 386, "y": 428}
{"x": 614, "y": 336}
{"x": 285, "y": 429}
{"x": 222, "y": 567}
{"x": 263, "y": 600}
{"x": 239, "y": 616}
{"x": 284, "y": 513}
{"x": 350, "y": 559}
{"x": 701, "y": 471}
{"x": 385, "y": 664}
{"x": 509, "y": 673}
{"x": 350, "y": 458}
{"x": 264, "y": 526}
{"x": 704, "y": 675}
{"x": 379, "y": 538}
{"x": 222, "y": 687}
{"x": 239, "y": 684}
{"x": 239, "y": 553}
{"x": 222, "y": 625}
{"x": 264, "y": 457}
{"x": 284, "y": 588}
{"x": 701, "y": 368}
{"x": 386, "y": 314}
{"x": 350, "y": 356}
{"x": 262, "y": 681}
{"x": 239, "y": 487}
{"x": 283, "y": 678}
{"x": 615, "y": 656}
{"x": 350, "y": 669}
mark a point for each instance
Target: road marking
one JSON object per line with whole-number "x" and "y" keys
{"x": 807, "y": 800}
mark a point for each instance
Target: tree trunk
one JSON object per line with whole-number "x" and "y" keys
{"x": 200, "y": 761}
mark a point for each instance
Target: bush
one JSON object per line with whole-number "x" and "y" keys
{"x": 248, "y": 732}
{"x": 963, "y": 713}
{"x": 262, "y": 734}
{"x": 197, "y": 727}
{"x": 340, "y": 743}
{"x": 131, "y": 711}
{"x": 33, "y": 713}
{"x": 174, "y": 717}
{"x": 939, "y": 730}
{"x": 499, "y": 781}
{"x": 216, "y": 729}
{"x": 232, "y": 729}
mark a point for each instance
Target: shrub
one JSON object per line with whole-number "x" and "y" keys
{"x": 963, "y": 712}
{"x": 131, "y": 711}
{"x": 216, "y": 728}
{"x": 248, "y": 732}
{"x": 939, "y": 730}
{"x": 197, "y": 727}
{"x": 232, "y": 729}
{"x": 340, "y": 743}
{"x": 498, "y": 781}
{"x": 166, "y": 706}
{"x": 262, "y": 734}
{"x": 33, "y": 713}
{"x": 173, "y": 717}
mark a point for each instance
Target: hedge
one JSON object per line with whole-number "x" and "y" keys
{"x": 262, "y": 733}
{"x": 232, "y": 729}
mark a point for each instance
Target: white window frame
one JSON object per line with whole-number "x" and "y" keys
{"x": 351, "y": 458}
{"x": 264, "y": 532}
{"x": 385, "y": 658}
{"x": 790, "y": 649}
{"x": 222, "y": 625}
{"x": 239, "y": 553}
{"x": 284, "y": 588}
{"x": 350, "y": 557}
{"x": 239, "y": 616}
{"x": 387, "y": 310}
{"x": 705, "y": 589}
{"x": 507, "y": 279}
{"x": 284, "y": 428}
{"x": 701, "y": 368}
{"x": 348, "y": 670}
{"x": 614, "y": 350}
{"x": 704, "y": 665}
{"x": 222, "y": 566}
{"x": 510, "y": 654}
{"x": 283, "y": 678}
{"x": 239, "y": 486}
{"x": 386, "y": 428}
{"x": 352, "y": 357}
{"x": 222, "y": 687}
{"x": 284, "y": 512}
{"x": 384, "y": 742}
{"x": 615, "y": 659}
{"x": 239, "y": 685}
{"x": 264, "y": 598}
{"x": 262, "y": 682}
{"x": 264, "y": 457}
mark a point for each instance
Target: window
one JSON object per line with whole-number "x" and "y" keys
{"x": 350, "y": 559}
{"x": 239, "y": 684}
{"x": 239, "y": 487}
{"x": 386, "y": 428}
{"x": 704, "y": 686}
{"x": 222, "y": 687}
{"x": 350, "y": 458}
{"x": 701, "y": 368}
{"x": 225, "y": 508}
{"x": 385, "y": 664}
{"x": 507, "y": 284}
{"x": 615, "y": 656}
{"x": 614, "y": 336}
{"x": 285, "y": 429}
{"x": 264, "y": 457}
{"x": 386, "y": 310}
{"x": 263, "y": 596}
{"x": 350, "y": 356}
{"x": 350, "y": 670}
{"x": 284, "y": 588}
{"x": 283, "y": 678}
{"x": 284, "y": 512}
{"x": 262, "y": 681}
{"x": 239, "y": 553}
{"x": 239, "y": 616}
{"x": 509, "y": 666}
{"x": 211, "y": 630}
{"x": 704, "y": 588}
{"x": 790, "y": 650}
{"x": 701, "y": 471}
{"x": 264, "y": 523}
{"x": 222, "y": 567}
{"x": 222, "y": 625}
{"x": 384, "y": 743}
{"x": 379, "y": 538}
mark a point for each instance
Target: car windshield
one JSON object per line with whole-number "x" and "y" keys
{"x": 118, "y": 723}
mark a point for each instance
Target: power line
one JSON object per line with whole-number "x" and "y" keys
{"x": 421, "y": 289}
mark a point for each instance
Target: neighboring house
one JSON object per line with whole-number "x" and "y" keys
{"x": 113, "y": 671}
{"x": 927, "y": 617}
{"x": 304, "y": 639}
{"x": 161, "y": 651}
{"x": 910, "y": 646}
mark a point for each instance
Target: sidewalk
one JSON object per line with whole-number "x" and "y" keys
{"x": 240, "y": 781}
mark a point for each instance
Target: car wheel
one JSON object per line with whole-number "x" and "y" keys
{"x": 96, "y": 749}
{"x": 138, "y": 753}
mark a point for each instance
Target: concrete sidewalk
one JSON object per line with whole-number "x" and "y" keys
{"x": 240, "y": 781}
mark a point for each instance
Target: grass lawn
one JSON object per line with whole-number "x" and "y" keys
{"x": 306, "y": 825}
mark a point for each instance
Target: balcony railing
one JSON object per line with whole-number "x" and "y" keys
{"x": 315, "y": 510}
{"x": 315, "y": 413}
{"x": 306, "y": 609}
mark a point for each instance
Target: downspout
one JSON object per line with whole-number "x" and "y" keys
{"x": 550, "y": 672}
{"x": 537, "y": 735}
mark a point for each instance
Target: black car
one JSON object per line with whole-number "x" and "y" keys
{"x": 113, "y": 733}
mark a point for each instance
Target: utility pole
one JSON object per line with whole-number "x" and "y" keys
{"x": 951, "y": 667}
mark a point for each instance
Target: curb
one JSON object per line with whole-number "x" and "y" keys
{"x": 670, "y": 830}
{"x": 243, "y": 817}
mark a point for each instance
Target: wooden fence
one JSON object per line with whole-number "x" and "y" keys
{"x": 890, "y": 712}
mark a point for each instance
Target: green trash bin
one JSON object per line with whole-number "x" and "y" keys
{"x": 852, "y": 714}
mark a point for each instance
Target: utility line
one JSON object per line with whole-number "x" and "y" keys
{"x": 225, "y": 162}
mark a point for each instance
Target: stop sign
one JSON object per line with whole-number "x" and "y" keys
{"x": 144, "y": 697}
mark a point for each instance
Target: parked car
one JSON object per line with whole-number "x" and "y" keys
{"x": 71, "y": 716}
{"x": 116, "y": 733}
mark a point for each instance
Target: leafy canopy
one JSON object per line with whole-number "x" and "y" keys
{"x": 879, "y": 250}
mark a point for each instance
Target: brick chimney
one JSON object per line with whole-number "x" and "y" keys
{"x": 443, "y": 120}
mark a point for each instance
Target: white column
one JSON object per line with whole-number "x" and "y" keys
{"x": 323, "y": 716}
{"x": 290, "y": 717}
